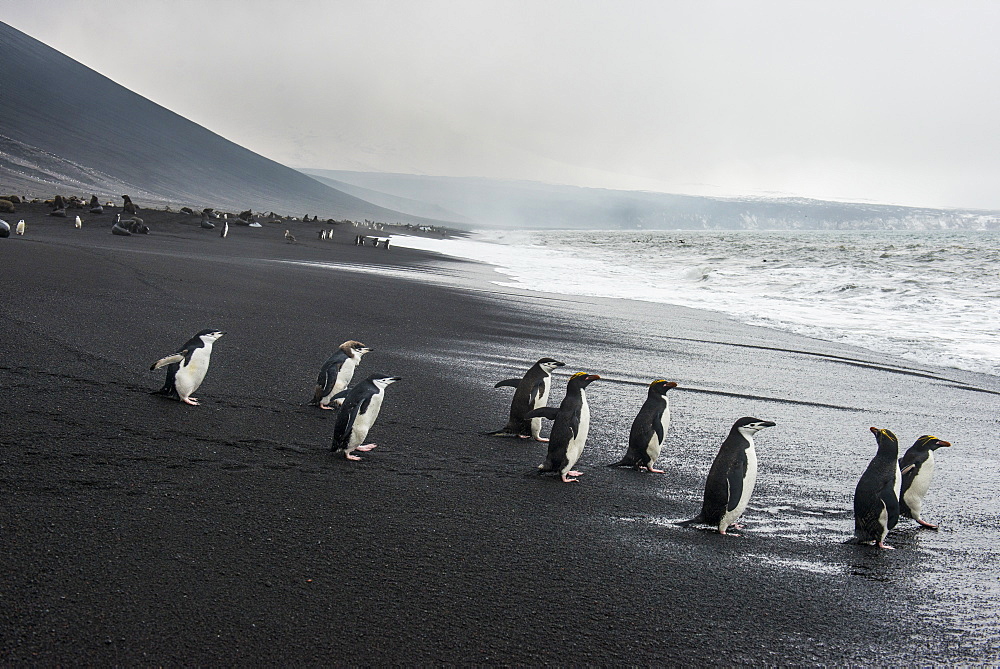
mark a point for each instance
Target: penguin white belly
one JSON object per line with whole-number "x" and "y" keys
{"x": 575, "y": 446}
{"x": 655, "y": 445}
{"x": 540, "y": 401}
{"x": 883, "y": 522}
{"x": 189, "y": 377}
{"x": 914, "y": 495}
{"x": 749, "y": 481}
{"x": 344, "y": 376}
{"x": 363, "y": 422}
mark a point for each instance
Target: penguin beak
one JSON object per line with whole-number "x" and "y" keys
{"x": 941, "y": 442}
{"x": 874, "y": 430}
{"x": 593, "y": 377}
{"x": 767, "y": 423}
{"x": 670, "y": 385}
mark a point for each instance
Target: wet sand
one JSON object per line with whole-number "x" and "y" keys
{"x": 135, "y": 530}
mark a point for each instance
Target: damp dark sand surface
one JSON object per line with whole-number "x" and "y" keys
{"x": 139, "y": 531}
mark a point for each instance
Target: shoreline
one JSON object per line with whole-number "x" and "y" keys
{"x": 138, "y": 531}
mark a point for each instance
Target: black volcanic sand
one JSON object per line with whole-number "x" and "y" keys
{"x": 135, "y": 530}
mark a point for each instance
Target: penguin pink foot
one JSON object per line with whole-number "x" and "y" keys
{"x": 543, "y": 440}
{"x": 653, "y": 470}
{"x": 929, "y": 526}
{"x": 565, "y": 479}
{"x": 879, "y": 544}
{"x": 324, "y": 406}
{"x": 193, "y": 401}
{"x": 366, "y": 447}
{"x": 574, "y": 473}
{"x": 351, "y": 457}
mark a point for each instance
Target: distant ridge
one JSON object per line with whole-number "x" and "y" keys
{"x": 525, "y": 204}
{"x": 64, "y": 126}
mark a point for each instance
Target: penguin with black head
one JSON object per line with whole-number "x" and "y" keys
{"x": 918, "y": 465}
{"x": 532, "y": 392}
{"x": 571, "y": 424}
{"x": 732, "y": 477}
{"x": 649, "y": 429}
{"x": 361, "y": 407}
{"x": 187, "y": 368}
{"x": 876, "y": 497}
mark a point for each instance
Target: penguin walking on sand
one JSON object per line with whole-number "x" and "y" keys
{"x": 876, "y": 497}
{"x": 186, "y": 369}
{"x": 20, "y": 227}
{"x": 571, "y": 423}
{"x": 645, "y": 439}
{"x": 289, "y": 237}
{"x": 225, "y": 229}
{"x": 732, "y": 477}
{"x": 336, "y": 373}
{"x": 78, "y": 223}
{"x": 918, "y": 465}
{"x": 532, "y": 392}
{"x": 361, "y": 407}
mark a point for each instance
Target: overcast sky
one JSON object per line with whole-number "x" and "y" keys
{"x": 895, "y": 102}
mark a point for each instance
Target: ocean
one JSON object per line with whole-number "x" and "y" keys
{"x": 928, "y": 296}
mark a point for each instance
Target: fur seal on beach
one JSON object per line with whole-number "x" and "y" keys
{"x": 918, "y": 463}
{"x": 186, "y": 369}
{"x": 361, "y": 407}
{"x": 336, "y": 373}
{"x": 571, "y": 423}
{"x": 4, "y": 229}
{"x": 876, "y": 497}
{"x": 20, "y": 227}
{"x": 95, "y": 205}
{"x": 532, "y": 392}
{"x": 732, "y": 477}
{"x": 645, "y": 439}
{"x": 205, "y": 222}
{"x": 58, "y": 207}
{"x": 120, "y": 229}
{"x": 129, "y": 206}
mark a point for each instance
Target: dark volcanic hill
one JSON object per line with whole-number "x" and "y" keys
{"x": 65, "y": 128}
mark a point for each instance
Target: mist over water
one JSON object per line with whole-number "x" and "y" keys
{"x": 928, "y": 296}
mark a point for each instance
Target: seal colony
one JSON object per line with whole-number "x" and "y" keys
{"x": 233, "y": 529}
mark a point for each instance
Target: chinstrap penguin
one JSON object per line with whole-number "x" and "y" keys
{"x": 186, "y": 369}
{"x": 571, "y": 423}
{"x": 918, "y": 465}
{"x": 361, "y": 407}
{"x": 645, "y": 439}
{"x": 732, "y": 477}
{"x": 876, "y": 497}
{"x": 336, "y": 373}
{"x": 532, "y": 392}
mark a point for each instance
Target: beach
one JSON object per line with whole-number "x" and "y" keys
{"x": 135, "y": 530}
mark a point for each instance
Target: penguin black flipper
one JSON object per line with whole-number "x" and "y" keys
{"x": 341, "y": 395}
{"x": 867, "y": 514}
{"x": 736, "y": 475}
{"x": 719, "y": 495}
{"x": 544, "y": 412}
{"x": 888, "y": 497}
{"x": 512, "y": 383}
